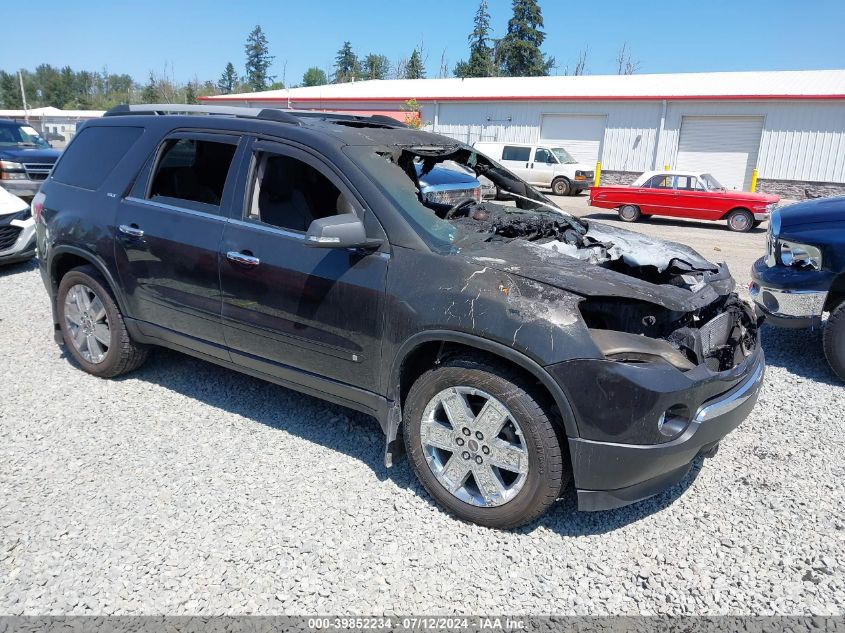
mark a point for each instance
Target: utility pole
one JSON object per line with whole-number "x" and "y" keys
{"x": 23, "y": 96}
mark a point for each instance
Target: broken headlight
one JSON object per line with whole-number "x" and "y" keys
{"x": 799, "y": 255}
{"x": 451, "y": 197}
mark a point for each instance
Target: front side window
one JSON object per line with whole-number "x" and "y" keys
{"x": 685, "y": 183}
{"x": 290, "y": 194}
{"x": 542, "y": 155}
{"x": 192, "y": 170}
{"x": 514, "y": 152}
{"x": 711, "y": 183}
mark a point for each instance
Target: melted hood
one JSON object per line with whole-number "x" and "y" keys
{"x": 613, "y": 262}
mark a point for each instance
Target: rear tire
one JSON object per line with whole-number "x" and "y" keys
{"x": 629, "y": 213}
{"x": 740, "y": 221}
{"x": 92, "y": 326}
{"x": 526, "y": 445}
{"x": 834, "y": 340}
{"x": 561, "y": 187}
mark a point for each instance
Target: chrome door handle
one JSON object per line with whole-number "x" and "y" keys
{"x": 242, "y": 258}
{"x": 132, "y": 231}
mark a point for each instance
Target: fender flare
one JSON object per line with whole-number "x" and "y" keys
{"x": 486, "y": 345}
{"x": 96, "y": 261}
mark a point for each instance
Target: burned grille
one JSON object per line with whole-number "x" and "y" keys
{"x": 8, "y": 236}
{"x": 37, "y": 171}
{"x": 715, "y": 332}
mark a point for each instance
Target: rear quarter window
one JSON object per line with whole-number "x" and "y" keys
{"x": 511, "y": 152}
{"x": 92, "y": 155}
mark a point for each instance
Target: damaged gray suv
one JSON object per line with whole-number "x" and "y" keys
{"x": 511, "y": 350}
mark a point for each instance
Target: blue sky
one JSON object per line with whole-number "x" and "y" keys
{"x": 194, "y": 38}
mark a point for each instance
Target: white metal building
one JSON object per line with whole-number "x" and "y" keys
{"x": 789, "y": 125}
{"x": 57, "y": 126}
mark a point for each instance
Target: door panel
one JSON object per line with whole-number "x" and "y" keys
{"x": 170, "y": 273}
{"x": 314, "y": 309}
{"x": 657, "y": 196}
{"x": 542, "y": 172}
{"x": 166, "y": 246}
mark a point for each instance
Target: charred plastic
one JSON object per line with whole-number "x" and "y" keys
{"x": 719, "y": 335}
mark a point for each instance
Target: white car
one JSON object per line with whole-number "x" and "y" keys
{"x": 543, "y": 165}
{"x": 17, "y": 229}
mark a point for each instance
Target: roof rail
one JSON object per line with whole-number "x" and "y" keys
{"x": 268, "y": 114}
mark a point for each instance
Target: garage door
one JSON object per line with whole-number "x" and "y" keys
{"x": 581, "y": 135}
{"x": 724, "y": 146}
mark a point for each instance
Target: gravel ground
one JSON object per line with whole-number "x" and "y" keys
{"x": 184, "y": 488}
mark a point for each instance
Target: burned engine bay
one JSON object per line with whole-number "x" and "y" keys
{"x": 637, "y": 288}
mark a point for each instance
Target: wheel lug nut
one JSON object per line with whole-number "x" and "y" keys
{"x": 460, "y": 441}
{"x": 485, "y": 450}
{"x": 479, "y": 435}
{"x": 465, "y": 455}
{"x": 466, "y": 431}
{"x": 478, "y": 459}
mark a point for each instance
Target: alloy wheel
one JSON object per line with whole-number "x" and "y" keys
{"x": 474, "y": 446}
{"x": 87, "y": 322}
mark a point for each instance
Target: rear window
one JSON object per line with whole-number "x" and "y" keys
{"x": 512, "y": 152}
{"x": 92, "y": 155}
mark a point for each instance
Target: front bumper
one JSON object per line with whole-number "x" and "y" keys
{"x": 580, "y": 185}
{"x": 23, "y": 247}
{"x": 789, "y": 297}
{"x": 613, "y": 398}
{"x": 761, "y": 216}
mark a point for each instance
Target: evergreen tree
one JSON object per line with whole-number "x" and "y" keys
{"x": 228, "y": 80}
{"x": 190, "y": 93}
{"x": 415, "y": 68}
{"x": 480, "y": 62}
{"x": 10, "y": 91}
{"x": 346, "y": 67}
{"x": 314, "y": 77}
{"x": 258, "y": 60}
{"x": 150, "y": 92}
{"x": 519, "y": 50}
{"x": 375, "y": 67}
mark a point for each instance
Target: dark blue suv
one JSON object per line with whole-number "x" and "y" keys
{"x": 802, "y": 274}
{"x": 510, "y": 349}
{"x": 25, "y": 158}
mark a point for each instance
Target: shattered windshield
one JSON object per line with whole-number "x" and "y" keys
{"x": 563, "y": 156}
{"x": 398, "y": 170}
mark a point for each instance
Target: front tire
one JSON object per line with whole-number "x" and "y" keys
{"x": 561, "y": 187}
{"x": 834, "y": 340}
{"x": 740, "y": 221}
{"x": 480, "y": 442}
{"x": 92, "y": 326}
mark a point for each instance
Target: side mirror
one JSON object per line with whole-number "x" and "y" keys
{"x": 339, "y": 231}
{"x": 550, "y": 160}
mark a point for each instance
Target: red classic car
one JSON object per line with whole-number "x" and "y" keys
{"x": 685, "y": 194}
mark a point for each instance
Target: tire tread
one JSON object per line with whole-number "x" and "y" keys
{"x": 131, "y": 355}
{"x": 834, "y": 333}
{"x": 557, "y": 471}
